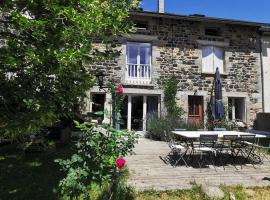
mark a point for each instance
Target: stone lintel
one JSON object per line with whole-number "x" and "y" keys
{"x": 213, "y": 43}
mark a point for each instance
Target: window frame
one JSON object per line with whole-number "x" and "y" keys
{"x": 212, "y": 31}
{"x": 139, "y": 45}
{"x": 92, "y": 103}
{"x": 213, "y": 54}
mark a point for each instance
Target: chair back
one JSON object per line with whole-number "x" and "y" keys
{"x": 248, "y": 138}
{"x": 169, "y": 140}
{"x": 230, "y": 140}
{"x": 208, "y": 140}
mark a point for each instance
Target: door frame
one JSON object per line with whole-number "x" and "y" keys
{"x": 200, "y": 117}
{"x": 129, "y": 112}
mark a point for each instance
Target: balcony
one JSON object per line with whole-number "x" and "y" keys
{"x": 138, "y": 74}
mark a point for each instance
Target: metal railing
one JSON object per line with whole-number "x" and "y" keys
{"x": 138, "y": 74}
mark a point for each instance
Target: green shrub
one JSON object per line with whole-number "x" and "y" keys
{"x": 156, "y": 127}
{"x": 95, "y": 159}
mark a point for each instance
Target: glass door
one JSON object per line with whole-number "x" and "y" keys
{"x": 137, "y": 113}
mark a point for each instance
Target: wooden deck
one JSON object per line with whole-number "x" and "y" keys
{"x": 149, "y": 171}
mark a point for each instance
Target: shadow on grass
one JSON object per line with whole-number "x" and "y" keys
{"x": 31, "y": 178}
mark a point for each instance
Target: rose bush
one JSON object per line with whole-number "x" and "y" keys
{"x": 119, "y": 89}
{"x": 99, "y": 151}
{"x": 120, "y": 163}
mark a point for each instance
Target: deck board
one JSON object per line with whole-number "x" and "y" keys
{"x": 148, "y": 171}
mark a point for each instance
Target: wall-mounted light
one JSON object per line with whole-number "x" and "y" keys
{"x": 100, "y": 79}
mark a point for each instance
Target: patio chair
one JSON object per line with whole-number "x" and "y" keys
{"x": 207, "y": 147}
{"x": 247, "y": 149}
{"x": 177, "y": 149}
{"x": 227, "y": 148}
{"x": 262, "y": 152}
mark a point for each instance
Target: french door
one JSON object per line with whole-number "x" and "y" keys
{"x": 136, "y": 109}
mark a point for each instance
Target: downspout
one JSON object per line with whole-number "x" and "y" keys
{"x": 262, "y": 75}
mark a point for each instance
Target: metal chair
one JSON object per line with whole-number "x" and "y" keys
{"x": 246, "y": 147}
{"x": 206, "y": 146}
{"x": 176, "y": 149}
{"x": 227, "y": 147}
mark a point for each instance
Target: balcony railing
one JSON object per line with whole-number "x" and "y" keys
{"x": 138, "y": 74}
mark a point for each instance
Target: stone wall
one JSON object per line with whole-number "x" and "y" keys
{"x": 176, "y": 50}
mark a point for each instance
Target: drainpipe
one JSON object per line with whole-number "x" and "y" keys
{"x": 262, "y": 75}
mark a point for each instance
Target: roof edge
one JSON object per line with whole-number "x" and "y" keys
{"x": 199, "y": 18}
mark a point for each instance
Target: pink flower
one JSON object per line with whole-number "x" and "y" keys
{"x": 120, "y": 163}
{"x": 119, "y": 89}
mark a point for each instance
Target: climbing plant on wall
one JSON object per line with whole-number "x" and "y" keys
{"x": 170, "y": 92}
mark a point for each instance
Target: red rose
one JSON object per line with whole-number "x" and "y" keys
{"x": 119, "y": 89}
{"x": 120, "y": 163}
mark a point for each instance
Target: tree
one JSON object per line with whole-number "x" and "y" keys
{"x": 46, "y": 47}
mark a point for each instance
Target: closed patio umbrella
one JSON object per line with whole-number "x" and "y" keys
{"x": 218, "y": 108}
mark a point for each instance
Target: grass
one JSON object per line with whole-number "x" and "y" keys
{"x": 31, "y": 178}
{"x": 193, "y": 194}
{"x": 240, "y": 193}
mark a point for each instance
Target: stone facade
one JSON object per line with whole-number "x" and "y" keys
{"x": 177, "y": 51}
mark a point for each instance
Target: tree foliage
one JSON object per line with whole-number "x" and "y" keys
{"x": 46, "y": 46}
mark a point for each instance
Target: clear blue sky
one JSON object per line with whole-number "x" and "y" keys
{"x": 247, "y": 10}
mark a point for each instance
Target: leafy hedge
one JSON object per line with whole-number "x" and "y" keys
{"x": 157, "y": 126}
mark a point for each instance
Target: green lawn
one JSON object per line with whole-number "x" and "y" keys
{"x": 31, "y": 178}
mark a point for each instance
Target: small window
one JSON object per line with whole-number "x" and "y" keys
{"x": 211, "y": 31}
{"x": 212, "y": 58}
{"x": 98, "y": 101}
{"x": 141, "y": 25}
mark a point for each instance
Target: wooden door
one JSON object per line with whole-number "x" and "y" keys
{"x": 195, "y": 110}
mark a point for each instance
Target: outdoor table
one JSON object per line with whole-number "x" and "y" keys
{"x": 196, "y": 134}
{"x": 191, "y": 136}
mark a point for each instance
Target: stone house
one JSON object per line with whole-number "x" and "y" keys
{"x": 188, "y": 48}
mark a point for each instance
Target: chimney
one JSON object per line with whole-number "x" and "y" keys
{"x": 161, "y": 6}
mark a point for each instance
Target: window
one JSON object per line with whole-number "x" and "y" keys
{"x": 138, "y": 59}
{"x": 140, "y": 25}
{"x": 195, "y": 110}
{"x": 212, "y": 31}
{"x": 237, "y": 109}
{"x": 212, "y": 58}
{"x": 194, "y": 105}
{"x": 98, "y": 101}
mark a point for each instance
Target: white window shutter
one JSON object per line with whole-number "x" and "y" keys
{"x": 219, "y": 59}
{"x": 207, "y": 59}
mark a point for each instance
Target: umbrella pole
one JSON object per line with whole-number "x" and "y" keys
{"x": 211, "y": 104}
